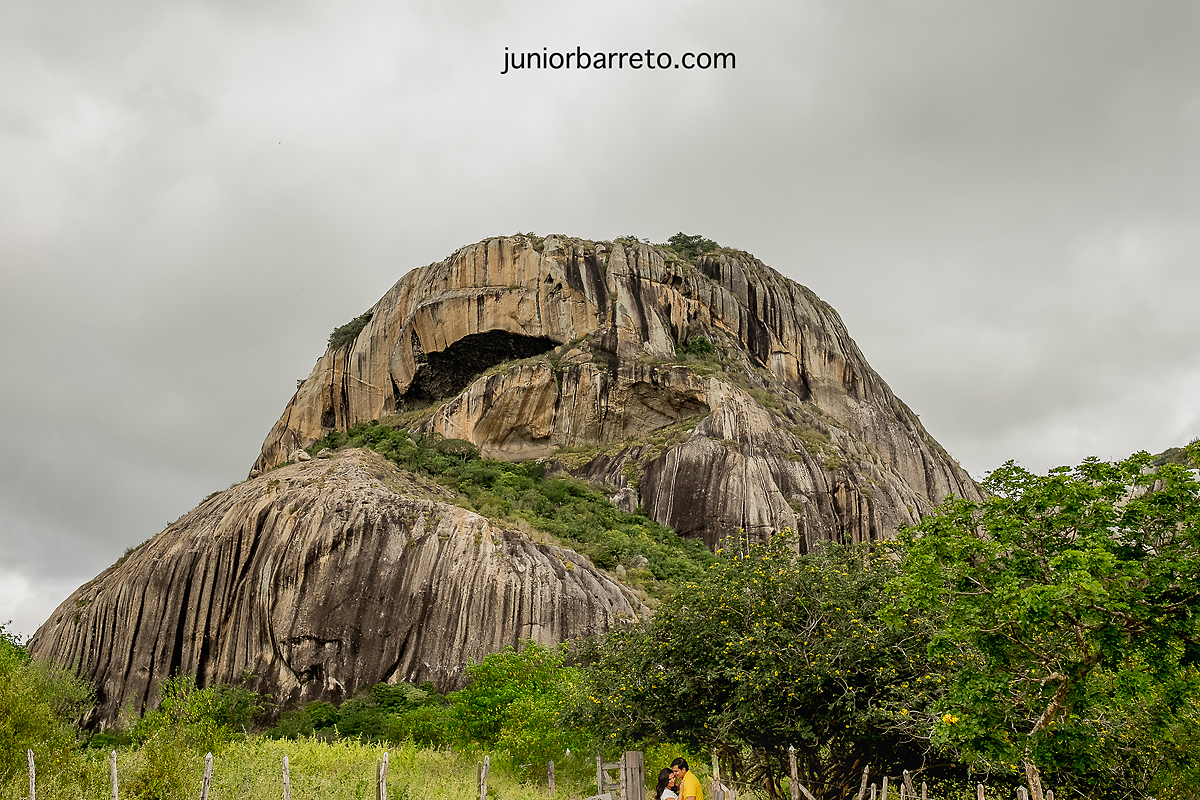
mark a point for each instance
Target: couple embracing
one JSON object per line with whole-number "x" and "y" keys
{"x": 678, "y": 783}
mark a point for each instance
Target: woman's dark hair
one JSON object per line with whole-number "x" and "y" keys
{"x": 663, "y": 777}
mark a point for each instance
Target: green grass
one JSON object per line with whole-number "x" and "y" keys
{"x": 344, "y": 769}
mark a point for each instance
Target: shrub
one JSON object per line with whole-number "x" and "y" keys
{"x": 385, "y": 712}
{"x": 516, "y": 701}
{"x": 700, "y": 346}
{"x": 347, "y": 333}
{"x": 165, "y": 770}
{"x": 40, "y": 705}
{"x": 690, "y": 246}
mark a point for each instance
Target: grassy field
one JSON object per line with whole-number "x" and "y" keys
{"x": 251, "y": 769}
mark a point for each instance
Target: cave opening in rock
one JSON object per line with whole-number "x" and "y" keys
{"x": 445, "y": 374}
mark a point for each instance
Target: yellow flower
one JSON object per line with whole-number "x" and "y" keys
{"x": 949, "y": 719}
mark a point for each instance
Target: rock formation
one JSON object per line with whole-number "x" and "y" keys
{"x": 784, "y": 425}
{"x": 322, "y": 578}
{"x": 722, "y": 398}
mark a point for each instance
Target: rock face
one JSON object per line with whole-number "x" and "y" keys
{"x": 784, "y": 424}
{"x": 322, "y": 578}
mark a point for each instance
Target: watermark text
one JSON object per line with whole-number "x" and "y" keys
{"x": 580, "y": 59}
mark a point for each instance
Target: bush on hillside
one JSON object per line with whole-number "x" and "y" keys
{"x": 344, "y": 334}
{"x": 40, "y": 706}
{"x": 691, "y": 246}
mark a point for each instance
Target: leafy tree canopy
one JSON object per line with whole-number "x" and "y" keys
{"x": 691, "y": 245}
{"x": 1070, "y": 604}
{"x": 516, "y": 699}
{"x": 344, "y": 334}
{"x": 767, "y": 649}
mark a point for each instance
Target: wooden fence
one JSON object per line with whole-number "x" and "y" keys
{"x": 624, "y": 779}
{"x": 381, "y": 777}
{"x": 903, "y": 788}
{"x": 616, "y": 780}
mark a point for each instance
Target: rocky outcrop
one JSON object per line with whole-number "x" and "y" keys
{"x": 724, "y": 399}
{"x": 321, "y": 578}
{"x": 548, "y": 348}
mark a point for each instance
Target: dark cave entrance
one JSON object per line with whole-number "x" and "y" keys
{"x": 445, "y": 374}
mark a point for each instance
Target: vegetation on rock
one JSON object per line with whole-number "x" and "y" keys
{"x": 345, "y": 334}
{"x": 689, "y": 246}
{"x": 570, "y": 510}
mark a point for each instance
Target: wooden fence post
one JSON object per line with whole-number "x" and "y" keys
{"x": 908, "y": 784}
{"x": 550, "y": 777}
{"x": 925, "y": 791}
{"x": 287, "y": 780}
{"x": 112, "y": 772}
{"x": 797, "y": 788}
{"x": 32, "y": 776}
{"x": 1050, "y": 795}
{"x": 884, "y": 793}
{"x": 1022, "y": 793}
{"x": 603, "y": 783}
{"x": 381, "y": 791}
{"x": 862, "y": 787}
{"x": 979, "y": 791}
{"x": 873, "y": 788}
{"x": 207, "y": 777}
{"x": 633, "y": 775}
{"x": 795, "y": 773}
{"x": 483, "y": 777}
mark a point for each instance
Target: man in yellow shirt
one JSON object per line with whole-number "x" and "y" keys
{"x": 689, "y": 784}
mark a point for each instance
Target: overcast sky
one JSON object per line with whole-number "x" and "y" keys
{"x": 1001, "y": 199}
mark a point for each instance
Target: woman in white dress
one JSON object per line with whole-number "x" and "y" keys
{"x": 666, "y": 786}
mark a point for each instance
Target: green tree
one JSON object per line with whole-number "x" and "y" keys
{"x": 768, "y": 649}
{"x": 690, "y": 245}
{"x": 1069, "y": 606}
{"x": 516, "y": 699}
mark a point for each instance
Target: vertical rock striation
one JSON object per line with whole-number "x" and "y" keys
{"x": 322, "y": 578}
{"x": 792, "y": 428}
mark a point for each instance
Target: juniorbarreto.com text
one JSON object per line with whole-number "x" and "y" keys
{"x": 584, "y": 59}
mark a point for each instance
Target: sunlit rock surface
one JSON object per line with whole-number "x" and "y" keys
{"x": 788, "y": 426}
